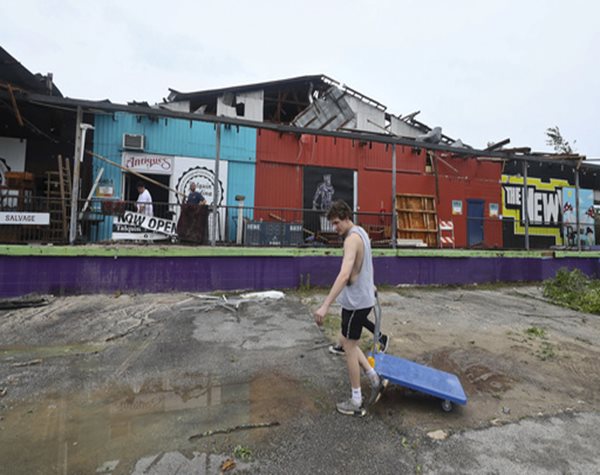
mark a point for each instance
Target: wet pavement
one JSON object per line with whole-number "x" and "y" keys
{"x": 162, "y": 384}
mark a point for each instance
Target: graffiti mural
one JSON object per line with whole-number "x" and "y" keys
{"x": 322, "y": 186}
{"x": 544, "y": 203}
{"x": 551, "y": 210}
{"x": 586, "y": 217}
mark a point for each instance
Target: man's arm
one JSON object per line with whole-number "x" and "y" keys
{"x": 351, "y": 247}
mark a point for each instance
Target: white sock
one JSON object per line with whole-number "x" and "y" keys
{"x": 356, "y": 396}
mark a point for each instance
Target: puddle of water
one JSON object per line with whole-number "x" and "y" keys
{"x": 82, "y": 432}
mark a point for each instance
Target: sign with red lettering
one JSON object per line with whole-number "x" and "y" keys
{"x": 148, "y": 163}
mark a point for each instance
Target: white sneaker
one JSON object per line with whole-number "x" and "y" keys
{"x": 350, "y": 408}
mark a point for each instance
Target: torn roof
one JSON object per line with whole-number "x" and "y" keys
{"x": 18, "y": 76}
{"x": 282, "y": 100}
{"x": 287, "y": 100}
{"x": 317, "y": 81}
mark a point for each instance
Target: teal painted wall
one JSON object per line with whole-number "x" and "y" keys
{"x": 241, "y": 182}
{"x": 179, "y": 137}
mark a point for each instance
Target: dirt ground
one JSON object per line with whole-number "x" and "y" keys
{"x": 167, "y": 383}
{"x": 515, "y": 354}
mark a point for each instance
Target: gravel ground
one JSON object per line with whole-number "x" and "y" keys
{"x": 176, "y": 383}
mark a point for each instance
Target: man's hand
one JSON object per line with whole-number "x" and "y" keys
{"x": 320, "y": 314}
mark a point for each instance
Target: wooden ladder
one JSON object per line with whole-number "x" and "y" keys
{"x": 58, "y": 194}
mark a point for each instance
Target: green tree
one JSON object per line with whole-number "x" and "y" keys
{"x": 557, "y": 142}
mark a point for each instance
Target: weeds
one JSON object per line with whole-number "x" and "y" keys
{"x": 546, "y": 351}
{"x": 304, "y": 283}
{"x": 573, "y": 289}
{"x": 536, "y": 332}
{"x": 242, "y": 453}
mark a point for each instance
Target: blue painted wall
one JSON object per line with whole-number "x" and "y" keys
{"x": 176, "y": 137}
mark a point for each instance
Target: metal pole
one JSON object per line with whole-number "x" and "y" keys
{"x": 526, "y": 205}
{"x": 240, "y": 222}
{"x": 577, "y": 233}
{"x": 76, "y": 172}
{"x": 394, "y": 212}
{"x": 213, "y": 239}
{"x": 89, "y": 197}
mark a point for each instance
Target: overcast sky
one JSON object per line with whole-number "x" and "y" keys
{"x": 482, "y": 70}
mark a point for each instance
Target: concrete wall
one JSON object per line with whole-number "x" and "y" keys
{"x": 20, "y": 275}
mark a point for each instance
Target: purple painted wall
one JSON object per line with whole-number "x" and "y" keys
{"x": 80, "y": 275}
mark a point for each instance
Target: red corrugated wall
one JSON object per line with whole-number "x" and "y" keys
{"x": 280, "y": 157}
{"x": 471, "y": 179}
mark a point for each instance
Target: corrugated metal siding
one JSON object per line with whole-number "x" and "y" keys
{"x": 198, "y": 139}
{"x": 278, "y": 185}
{"x": 274, "y": 147}
{"x": 379, "y": 157}
{"x": 241, "y": 178}
{"x": 309, "y": 150}
{"x": 333, "y": 152}
{"x": 238, "y": 144}
{"x": 170, "y": 137}
{"x": 474, "y": 180}
{"x": 108, "y": 136}
{"x": 179, "y": 137}
{"x": 375, "y": 187}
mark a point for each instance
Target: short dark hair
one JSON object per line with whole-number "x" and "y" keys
{"x": 140, "y": 184}
{"x": 339, "y": 209}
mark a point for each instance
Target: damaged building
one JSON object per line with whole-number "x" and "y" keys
{"x": 270, "y": 157}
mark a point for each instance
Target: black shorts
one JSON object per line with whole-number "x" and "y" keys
{"x": 353, "y": 321}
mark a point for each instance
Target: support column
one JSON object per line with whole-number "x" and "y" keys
{"x": 526, "y": 204}
{"x": 76, "y": 172}
{"x": 394, "y": 212}
{"x": 215, "y": 206}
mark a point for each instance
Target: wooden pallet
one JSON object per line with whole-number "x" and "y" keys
{"x": 417, "y": 218}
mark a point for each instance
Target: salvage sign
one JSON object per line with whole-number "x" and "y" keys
{"x": 151, "y": 223}
{"x": 24, "y": 218}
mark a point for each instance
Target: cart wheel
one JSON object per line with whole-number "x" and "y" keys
{"x": 446, "y": 405}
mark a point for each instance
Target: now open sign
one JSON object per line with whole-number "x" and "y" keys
{"x": 158, "y": 225}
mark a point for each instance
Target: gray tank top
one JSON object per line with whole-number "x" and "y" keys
{"x": 360, "y": 294}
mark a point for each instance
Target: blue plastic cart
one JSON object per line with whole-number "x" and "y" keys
{"x": 418, "y": 377}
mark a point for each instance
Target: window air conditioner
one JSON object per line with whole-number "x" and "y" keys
{"x": 133, "y": 142}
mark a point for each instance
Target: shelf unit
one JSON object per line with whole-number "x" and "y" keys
{"x": 417, "y": 218}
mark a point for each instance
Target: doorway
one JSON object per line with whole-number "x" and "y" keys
{"x": 160, "y": 196}
{"x": 474, "y": 222}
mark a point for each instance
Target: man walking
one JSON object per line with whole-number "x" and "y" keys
{"x": 354, "y": 290}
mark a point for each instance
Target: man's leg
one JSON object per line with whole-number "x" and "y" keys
{"x": 351, "y": 330}
{"x": 354, "y": 405}
{"x": 383, "y": 339}
{"x": 355, "y": 359}
{"x": 352, "y": 324}
{"x": 338, "y": 349}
